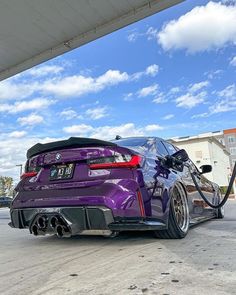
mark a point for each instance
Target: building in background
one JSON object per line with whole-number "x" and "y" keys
{"x": 197, "y": 147}
{"x": 229, "y": 136}
{"x": 207, "y": 150}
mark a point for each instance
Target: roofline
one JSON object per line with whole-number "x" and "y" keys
{"x": 133, "y": 137}
{"x": 207, "y": 138}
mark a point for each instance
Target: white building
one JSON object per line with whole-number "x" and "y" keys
{"x": 204, "y": 150}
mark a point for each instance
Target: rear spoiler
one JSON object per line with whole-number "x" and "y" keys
{"x": 72, "y": 142}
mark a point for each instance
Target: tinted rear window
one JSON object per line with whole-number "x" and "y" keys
{"x": 138, "y": 144}
{"x": 131, "y": 142}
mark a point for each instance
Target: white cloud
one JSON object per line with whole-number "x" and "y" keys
{"x": 76, "y": 85}
{"x": 213, "y": 74}
{"x": 189, "y": 100}
{"x": 174, "y": 90}
{"x": 226, "y": 102}
{"x": 153, "y": 127}
{"x": 97, "y": 113}
{"x": 152, "y": 70}
{"x": 109, "y": 132}
{"x": 13, "y": 152}
{"x": 124, "y": 130}
{"x": 233, "y": 61}
{"x": 228, "y": 92}
{"x": 160, "y": 98}
{"x": 35, "y": 104}
{"x": 81, "y": 129}
{"x": 133, "y": 36}
{"x": 40, "y": 71}
{"x": 198, "y": 86}
{"x": 168, "y": 117}
{"x": 151, "y": 33}
{"x": 30, "y": 120}
{"x": 69, "y": 114}
{"x": 111, "y": 77}
{"x": 68, "y": 86}
{"x": 79, "y": 85}
{"x": 11, "y": 90}
{"x": 128, "y": 96}
{"x": 17, "y": 134}
{"x": 203, "y": 28}
{"x": 222, "y": 107}
{"x": 91, "y": 113}
{"x": 147, "y": 91}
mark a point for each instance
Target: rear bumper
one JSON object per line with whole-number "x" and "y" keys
{"x": 80, "y": 219}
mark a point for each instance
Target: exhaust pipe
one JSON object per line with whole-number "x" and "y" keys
{"x": 63, "y": 231}
{"x": 35, "y": 230}
{"x": 54, "y": 222}
{"x": 42, "y": 222}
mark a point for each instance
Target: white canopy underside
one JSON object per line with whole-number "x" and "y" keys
{"x": 34, "y": 31}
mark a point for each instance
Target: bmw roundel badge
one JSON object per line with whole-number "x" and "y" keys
{"x": 58, "y": 156}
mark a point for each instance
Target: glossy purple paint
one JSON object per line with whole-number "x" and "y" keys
{"x": 117, "y": 198}
{"x": 113, "y": 188}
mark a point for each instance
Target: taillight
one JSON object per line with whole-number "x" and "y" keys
{"x": 30, "y": 170}
{"x": 121, "y": 161}
{"x": 28, "y": 174}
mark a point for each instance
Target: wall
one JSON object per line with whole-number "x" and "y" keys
{"x": 205, "y": 151}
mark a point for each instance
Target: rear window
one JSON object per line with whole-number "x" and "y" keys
{"x": 138, "y": 144}
{"x": 131, "y": 142}
{"x": 171, "y": 149}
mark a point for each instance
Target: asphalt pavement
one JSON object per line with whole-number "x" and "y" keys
{"x": 135, "y": 263}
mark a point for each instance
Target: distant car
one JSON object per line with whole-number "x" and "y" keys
{"x": 5, "y": 201}
{"x": 84, "y": 185}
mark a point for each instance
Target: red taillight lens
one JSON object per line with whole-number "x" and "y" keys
{"x": 28, "y": 174}
{"x": 103, "y": 163}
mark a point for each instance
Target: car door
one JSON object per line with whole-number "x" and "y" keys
{"x": 185, "y": 178}
{"x": 159, "y": 195}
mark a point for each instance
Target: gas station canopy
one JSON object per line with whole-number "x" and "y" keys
{"x": 34, "y": 31}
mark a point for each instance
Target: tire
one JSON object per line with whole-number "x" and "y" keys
{"x": 178, "y": 223}
{"x": 220, "y": 212}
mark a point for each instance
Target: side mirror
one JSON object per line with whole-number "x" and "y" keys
{"x": 205, "y": 169}
{"x": 181, "y": 155}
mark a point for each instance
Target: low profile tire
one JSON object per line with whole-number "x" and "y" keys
{"x": 220, "y": 212}
{"x": 178, "y": 224}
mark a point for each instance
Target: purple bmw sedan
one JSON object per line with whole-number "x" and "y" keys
{"x": 83, "y": 185}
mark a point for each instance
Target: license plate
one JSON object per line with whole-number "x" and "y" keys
{"x": 58, "y": 172}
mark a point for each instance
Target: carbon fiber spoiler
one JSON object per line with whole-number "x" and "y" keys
{"x": 72, "y": 142}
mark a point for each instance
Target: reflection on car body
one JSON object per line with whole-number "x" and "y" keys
{"x": 115, "y": 186}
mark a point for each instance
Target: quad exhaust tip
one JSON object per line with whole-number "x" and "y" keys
{"x": 35, "y": 230}
{"x": 63, "y": 231}
{"x": 55, "y": 224}
{"x": 42, "y": 222}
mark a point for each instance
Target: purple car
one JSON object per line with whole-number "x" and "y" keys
{"x": 84, "y": 185}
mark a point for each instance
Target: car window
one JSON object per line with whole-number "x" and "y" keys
{"x": 170, "y": 148}
{"x": 139, "y": 144}
{"x": 161, "y": 148}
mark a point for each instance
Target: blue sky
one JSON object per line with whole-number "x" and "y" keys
{"x": 172, "y": 74}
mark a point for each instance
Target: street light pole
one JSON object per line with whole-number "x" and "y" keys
{"x": 20, "y": 165}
